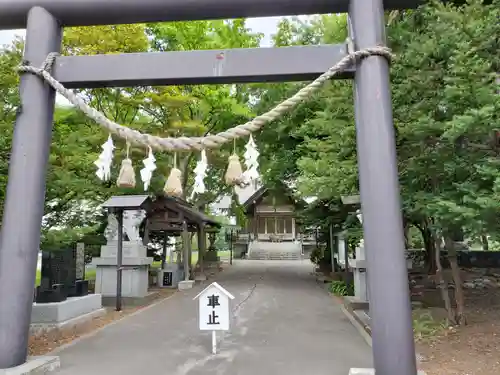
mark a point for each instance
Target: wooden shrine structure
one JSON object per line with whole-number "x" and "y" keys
{"x": 173, "y": 216}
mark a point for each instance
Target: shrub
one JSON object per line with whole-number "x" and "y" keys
{"x": 341, "y": 288}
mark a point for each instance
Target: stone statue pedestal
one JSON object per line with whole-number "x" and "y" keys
{"x": 211, "y": 256}
{"x": 170, "y": 276}
{"x": 359, "y": 266}
{"x": 135, "y": 280}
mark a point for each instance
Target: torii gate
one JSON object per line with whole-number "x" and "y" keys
{"x": 393, "y": 345}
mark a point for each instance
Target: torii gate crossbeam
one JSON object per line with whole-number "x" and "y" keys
{"x": 393, "y": 346}
{"x": 106, "y": 12}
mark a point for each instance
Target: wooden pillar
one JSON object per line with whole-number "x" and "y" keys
{"x": 333, "y": 244}
{"x": 164, "y": 252}
{"x": 179, "y": 254}
{"x": 190, "y": 249}
{"x": 202, "y": 246}
{"x": 185, "y": 249}
{"x": 255, "y": 223}
{"x": 346, "y": 254}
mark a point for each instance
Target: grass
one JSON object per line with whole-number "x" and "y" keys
{"x": 426, "y": 326}
{"x": 90, "y": 273}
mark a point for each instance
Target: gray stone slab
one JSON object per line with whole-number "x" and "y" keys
{"x": 37, "y": 329}
{"x": 35, "y": 366}
{"x": 186, "y": 284}
{"x": 355, "y": 303}
{"x": 131, "y": 301}
{"x": 73, "y": 307}
{"x": 135, "y": 278}
{"x": 200, "y": 277}
{"x": 370, "y": 371}
{"x": 283, "y": 322}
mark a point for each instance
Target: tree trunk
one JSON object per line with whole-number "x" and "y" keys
{"x": 484, "y": 242}
{"x": 430, "y": 247}
{"x": 183, "y": 167}
{"x": 442, "y": 284}
{"x": 406, "y": 232}
{"x": 455, "y": 272}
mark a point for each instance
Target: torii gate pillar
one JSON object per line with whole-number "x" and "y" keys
{"x": 24, "y": 204}
{"x": 390, "y": 307}
{"x": 393, "y": 345}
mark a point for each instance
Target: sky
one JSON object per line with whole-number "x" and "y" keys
{"x": 265, "y": 25}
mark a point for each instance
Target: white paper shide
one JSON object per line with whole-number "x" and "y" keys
{"x": 251, "y": 161}
{"x": 103, "y": 162}
{"x": 200, "y": 173}
{"x": 149, "y": 167}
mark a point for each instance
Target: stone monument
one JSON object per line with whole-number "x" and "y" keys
{"x": 135, "y": 271}
{"x": 62, "y": 276}
{"x": 172, "y": 272}
{"x": 62, "y": 299}
{"x": 359, "y": 273}
{"x": 211, "y": 257}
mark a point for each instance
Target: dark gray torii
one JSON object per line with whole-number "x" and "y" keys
{"x": 390, "y": 309}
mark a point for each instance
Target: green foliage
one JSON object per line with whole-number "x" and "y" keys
{"x": 340, "y": 288}
{"x": 316, "y": 256}
{"x": 446, "y": 115}
{"x": 426, "y": 327}
{"x": 73, "y": 191}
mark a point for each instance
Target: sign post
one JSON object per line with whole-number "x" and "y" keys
{"x": 213, "y": 304}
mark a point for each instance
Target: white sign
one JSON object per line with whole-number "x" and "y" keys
{"x": 214, "y": 315}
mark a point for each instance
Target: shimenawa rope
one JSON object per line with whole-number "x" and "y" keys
{"x": 210, "y": 141}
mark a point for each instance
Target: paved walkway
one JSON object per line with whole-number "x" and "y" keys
{"x": 283, "y": 324}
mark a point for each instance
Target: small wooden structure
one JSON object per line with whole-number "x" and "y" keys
{"x": 271, "y": 215}
{"x": 172, "y": 216}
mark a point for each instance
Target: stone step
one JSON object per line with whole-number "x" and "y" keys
{"x": 274, "y": 255}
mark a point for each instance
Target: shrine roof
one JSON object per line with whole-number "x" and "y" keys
{"x": 127, "y": 202}
{"x": 163, "y": 202}
{"x": 259, "y": 194}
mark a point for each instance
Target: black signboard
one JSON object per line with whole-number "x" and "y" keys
{"x": 59, "y": 277}
{"x": 167, "y": 279}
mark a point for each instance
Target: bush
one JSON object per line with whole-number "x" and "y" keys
{"x": 340, "y": 288}
{"x": 316, "y": 256}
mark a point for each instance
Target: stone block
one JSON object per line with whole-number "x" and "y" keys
{"x": 200, "y": 277}
{"x": 135, "y": 280}
{"x": 186, "y": 284}
{"x": 354, "y": 303}
{"x": 211, "y": 256}
{"x": 130, "y": 250}
{"x": 169, "y": 277}
{"x": 37, "y": 329}
{"x": 370, "y": 371}
{"x": 34, "y": 365}
{"x": 131, "y": 301}
{"x": 58, "y": 312}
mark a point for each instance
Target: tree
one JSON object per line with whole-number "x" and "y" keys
{"x": 446, "y": 118}
{"x": 283, "y": 143}
{"x": 200, "y": 110}
{"x": 10, "y": 56}
{"x": 446, "y": 107}
{"x": 72, "y": 188}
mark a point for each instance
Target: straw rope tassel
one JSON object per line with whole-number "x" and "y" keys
{"x": 126, "y": 177}
{"x": 173, "y": 185}
{"x": 234, "y": 172}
